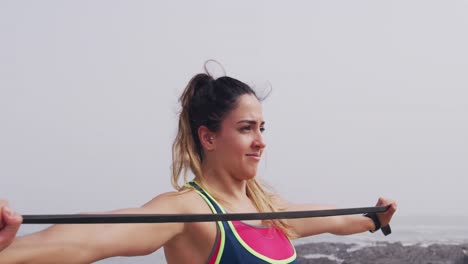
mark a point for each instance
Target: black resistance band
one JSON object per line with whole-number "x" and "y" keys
{"x": 185, "y": 218}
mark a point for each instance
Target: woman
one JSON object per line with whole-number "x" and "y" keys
{"x": 220, "y": 141}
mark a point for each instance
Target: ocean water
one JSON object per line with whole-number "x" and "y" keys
{"x": 420, "y": 230}
{"x": 409, "y": 230}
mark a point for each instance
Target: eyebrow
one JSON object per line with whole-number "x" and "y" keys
{"x": 252, "y": 122}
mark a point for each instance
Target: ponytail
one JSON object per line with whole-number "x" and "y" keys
{"x": 186, "y": 155}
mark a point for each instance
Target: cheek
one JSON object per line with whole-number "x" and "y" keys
{"x": 239, "y": 145}
{"x": 233, "y": 151}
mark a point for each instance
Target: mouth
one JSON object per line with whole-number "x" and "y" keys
{"x": 255, "y": 156}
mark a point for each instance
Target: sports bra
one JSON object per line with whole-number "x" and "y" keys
{"x": 238, "y": 242}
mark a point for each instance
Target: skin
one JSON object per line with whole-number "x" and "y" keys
{"x": 9, "y": 224}
{"x": 231, "y": 157}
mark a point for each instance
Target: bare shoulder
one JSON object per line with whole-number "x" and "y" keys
{"x": 177, "y": 202}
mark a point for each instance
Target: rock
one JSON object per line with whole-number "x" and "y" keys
{"x": 382, "y": 252}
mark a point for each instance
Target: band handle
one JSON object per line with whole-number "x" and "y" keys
{"x": 386, "y": 230}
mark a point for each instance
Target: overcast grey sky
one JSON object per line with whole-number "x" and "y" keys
{"x": 369, "y": 98}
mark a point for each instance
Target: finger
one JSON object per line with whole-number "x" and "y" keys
{"x": 385, "y": 202}
{"x": 380, "y": 201}
{"x": 11, "y": 218}
{"x": 3, "y": 203}
{"x": 12, "y": 223}
{"x": 392, "y": 207}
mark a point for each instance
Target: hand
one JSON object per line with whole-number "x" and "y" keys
{"x": 9, "y": 224}
{"x": 386, "y": 216}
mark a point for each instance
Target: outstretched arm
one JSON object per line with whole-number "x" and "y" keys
{"x": 87, "y": 243}
{"x": 338, "y": 225}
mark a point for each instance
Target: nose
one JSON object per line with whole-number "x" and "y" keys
{"x": 259, "y": 141}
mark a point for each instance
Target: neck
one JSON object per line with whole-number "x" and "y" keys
{"x": 224, "y": 184}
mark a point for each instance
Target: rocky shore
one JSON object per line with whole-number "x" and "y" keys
{"x": 381, "y": 252}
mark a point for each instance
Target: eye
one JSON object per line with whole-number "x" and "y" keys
{"x": 246, "y": 128}
{"x": 250, "y": 128}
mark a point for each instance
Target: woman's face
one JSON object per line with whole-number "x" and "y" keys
{"x": 239, "y": 143}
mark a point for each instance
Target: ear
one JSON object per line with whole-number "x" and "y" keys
{"x": 207, "y": 138}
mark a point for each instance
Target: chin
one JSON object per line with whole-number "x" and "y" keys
{"x": 245, "y": 172}
{"x": 249, "y": 175}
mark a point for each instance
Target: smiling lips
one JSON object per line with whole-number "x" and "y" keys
{"x": 255, "y": 156}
